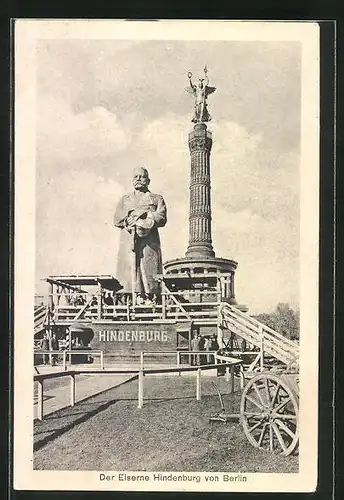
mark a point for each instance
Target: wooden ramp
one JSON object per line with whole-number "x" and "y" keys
{"x": 256, "y": 333}
{"x": 40, "y": 317}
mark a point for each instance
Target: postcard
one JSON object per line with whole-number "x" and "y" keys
{"x": 166, "y": 255}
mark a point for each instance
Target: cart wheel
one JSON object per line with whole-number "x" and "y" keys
{"x": 269, "y": 413}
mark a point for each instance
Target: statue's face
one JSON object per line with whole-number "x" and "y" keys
{"x": 140, "y": 179}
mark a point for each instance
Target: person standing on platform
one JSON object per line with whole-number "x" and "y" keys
{"x": 202, "y": 357}
{"x": 214, "y": 346}
{"x": 54, "y": 347}
{"x": 45, "y": 347}
{"x": 139, "y": 214}
{"x": 207, "y": 347}
{"x": 195, "y": 346}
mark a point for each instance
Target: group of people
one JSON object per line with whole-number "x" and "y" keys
{"x": 209, "y": 344}
{"x": 49, "y": 345}
{"x": 116, "y": 299}
{"x": 53, "y": 345}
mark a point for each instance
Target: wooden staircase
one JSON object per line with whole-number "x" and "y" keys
{"x": 257, "y": 334}
{"x": 40, "y": 317}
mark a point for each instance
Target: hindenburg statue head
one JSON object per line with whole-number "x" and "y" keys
{"x": 141, "y": 179}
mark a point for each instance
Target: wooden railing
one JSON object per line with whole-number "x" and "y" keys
{"x": 229, "y": 366}
{"x": 258, "y": 334}
{"x": 68, "y": 353}
{"x": 175, "y": 354}
{"x": 179, "y": 308}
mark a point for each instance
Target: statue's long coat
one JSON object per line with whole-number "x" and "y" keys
{"x": 148, "y": 260}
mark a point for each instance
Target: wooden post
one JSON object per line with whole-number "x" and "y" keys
{"x": 190, "y": 345}
{"x": 70, "y": 346}
{"x": 102, "y": 360}
{"x": 141, "y": 359}
{"x": 64, "y": 361}
{"x": 178, "y": 362}
{"x": 100, "y": 300}
{"x": 242, "y": 377}
{"x": 132, "y": 315}
{"x": 198, "y": 384}
{"x": 140, "y": 394}
{"x": 232, "y": 289}
{"x": 163, "y": 299}
{"x": 227, "y": 373}
{"x": 40, "y": 400}
{"x": 72, "y": 389}
{"x": 232, "y": 379}
{"x": 261, "y": 349}
{"x": 51, "y": 296}
{"x": 50, "y": 348}
{"x": 218, "y": 290}
{"x": 219, "y": 329}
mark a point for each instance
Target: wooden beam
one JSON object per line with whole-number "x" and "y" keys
{"x": 163, "y": 300}
{"x": 100, "y": 300}
{"x": 84, "y": 307}
{"x": 190, "y": 276}
{"x": 198, "y": 385}
{"x": 64, "y": 285}
{"x": 140, "y": 390}
{"x": 40, "y": 400}
{"x": 72, "y": 389}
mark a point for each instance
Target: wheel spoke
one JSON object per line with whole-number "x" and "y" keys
{"x": 268, "y": 395}
{"x": 251, "y": 414}
{"x": 262, "y": 434}
{"x": 288, "y": 416}
{"x": 281, "y": 405}
{"x": 279, "y": 437}
{"x": 255, "y": 425}
{"x": 271, "y": 437}
{"x": 275, "y": 395}
{"x": 254, "y": 401}
{"x": 285, "y": 428}
{"x": 259, "y": 395}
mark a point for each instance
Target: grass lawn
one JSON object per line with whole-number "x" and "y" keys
{"x": 171, "y": 432}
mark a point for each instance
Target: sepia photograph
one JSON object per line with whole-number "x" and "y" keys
{"x": 166, "y": 255}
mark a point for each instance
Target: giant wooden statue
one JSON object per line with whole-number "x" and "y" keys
{"x": 139, "y": 214}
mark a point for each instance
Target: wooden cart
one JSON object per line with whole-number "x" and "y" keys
{"x": 269, "y": 410}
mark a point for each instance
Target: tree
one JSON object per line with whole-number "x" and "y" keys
{"x": 283, "y": 319}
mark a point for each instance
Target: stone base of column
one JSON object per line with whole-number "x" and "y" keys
{"x": 195, "y": 266}
{"x": 199, "y": 251}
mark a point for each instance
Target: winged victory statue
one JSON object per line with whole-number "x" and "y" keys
{"x": 200, "y": 91}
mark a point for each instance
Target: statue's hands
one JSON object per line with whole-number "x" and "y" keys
{"x": 131, "y": 219}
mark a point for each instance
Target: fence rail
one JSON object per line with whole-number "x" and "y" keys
{"x": 177, "y": 354}
{"x": 229, "y": 366}
{"x": 66, "y": 353}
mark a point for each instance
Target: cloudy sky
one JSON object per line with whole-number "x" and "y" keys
{"x": 105, "y": 107}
